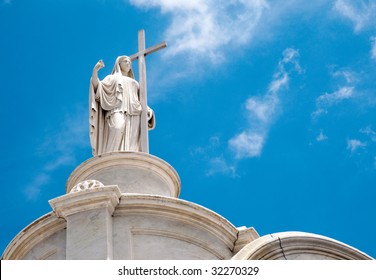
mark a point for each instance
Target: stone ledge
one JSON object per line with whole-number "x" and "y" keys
{"x": 173, "y": 208}
{"x": 298, "y": 245}
{"x": 245, "y": 236}
{"x": 72, "y": 203}
{"x": 31, "y": 235}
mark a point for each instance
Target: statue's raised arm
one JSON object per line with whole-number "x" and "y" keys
{"x": 94, "y": 76}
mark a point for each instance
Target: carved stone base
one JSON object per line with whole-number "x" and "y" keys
{"x": 133, "y": 172}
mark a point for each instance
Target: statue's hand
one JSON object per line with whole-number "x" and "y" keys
{"x": 99, "y": 65}
{"x": 150, "y": 113}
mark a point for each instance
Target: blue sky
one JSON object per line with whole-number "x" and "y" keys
{"x": 266, "y": 109}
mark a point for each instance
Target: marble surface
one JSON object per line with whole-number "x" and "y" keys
{"x": 298, "y": 246}
{"x": 125, "y": 205}
{"x": 102, "y": 223}
{"x": 132, "y": 172}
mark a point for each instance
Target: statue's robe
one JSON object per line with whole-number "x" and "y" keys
{"x": 115, "y": 113}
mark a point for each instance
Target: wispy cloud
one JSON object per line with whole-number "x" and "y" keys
{"x": 369, "y": 132}
{"x": 262, "y": 110}
{"x": 203, "y": 28}
{"x": 321, "y": 137}
{"x": 364, "y": 145}
{"x": 373, "y": 48}
{"x": 248, "y": 143}
{"x": 33, "y": 190}
{"x": 215, "y": 164}
{"x": 346, "y": 90}
{"x": 219, "y": 165}
{"x": 329, "y": 99}
{"x": 354, "y": 144}
{"x": 361, "y": 13}
{"x": 59, "y": 149}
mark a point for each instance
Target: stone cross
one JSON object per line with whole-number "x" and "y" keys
{"x": 140, "y": 55}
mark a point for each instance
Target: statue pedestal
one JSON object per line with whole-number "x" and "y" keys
{"x": 133, "y": 172}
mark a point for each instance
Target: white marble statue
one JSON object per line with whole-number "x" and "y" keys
{"x": 115, "y": 109}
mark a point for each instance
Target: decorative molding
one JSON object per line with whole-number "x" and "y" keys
{"x": 93, "y": 198}
{"x": 86, "y": 185}
{"x": 298, "y": 245}
{"x": 47, "y": 253}
{"x": 245, "y": 236}
{"x": 181, "y": 210}
{"x": 34, "y": 233}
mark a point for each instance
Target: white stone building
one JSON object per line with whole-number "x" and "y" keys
{"x": 125, "y": 205}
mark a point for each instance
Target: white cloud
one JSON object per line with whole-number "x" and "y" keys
{"x": 361, "y": 13}
{"x": 33, "y": 189}
{"x": 373, "y": 48}
{"x": 369, "y": 132}
{"x": 247, "y": 144}
{"x": 345, "y": 76}
{"x": 205, "y": 27}
{"x": 262, "y": 110}
{"x": 355, "y": 144}
{"x": 65, "y": 139}
{"x": 280, "y": 80}
{"x": 321, "y": 137}
{"x": 214, "y": 163}
{"x": 59, "y": 149}
{"x": 328, "y": 99}
{"x": 318, "y": 112}
{"x": 346, "y": 90}
{"x": 221, "y": 166}
{"x": 290, "y": 56}
{"x": 61, "y": 160}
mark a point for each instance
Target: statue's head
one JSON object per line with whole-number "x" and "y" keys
{"x": 123, "y": 63}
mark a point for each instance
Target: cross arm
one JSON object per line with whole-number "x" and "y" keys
{"x": 148, "y": 50}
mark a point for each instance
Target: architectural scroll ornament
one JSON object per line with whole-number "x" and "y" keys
{"x": 86, "y": 185}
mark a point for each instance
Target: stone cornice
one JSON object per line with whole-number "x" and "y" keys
{"x": 94, "y": 198}
{"x": 172, "y": 208}
{"x": 245, "y": 236}
{"x": 285, "y": 244}
{"x": 31, "y": 235}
